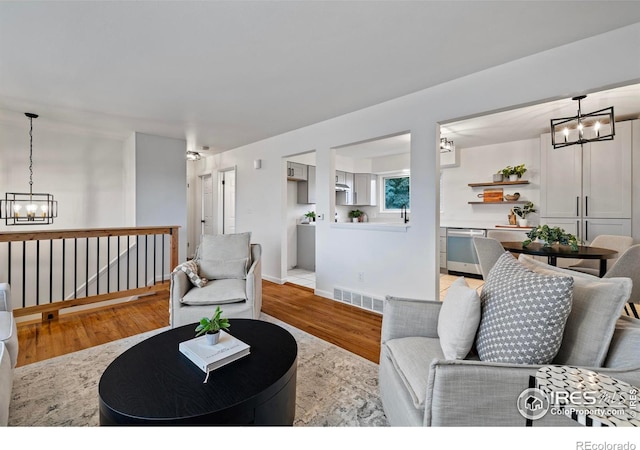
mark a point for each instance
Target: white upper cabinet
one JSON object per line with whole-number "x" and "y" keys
{"x": 296, "y": 171}
{"x": 606, "y": 185}
{"x": 364, "y": 189}
{"x": 589, "y": 182}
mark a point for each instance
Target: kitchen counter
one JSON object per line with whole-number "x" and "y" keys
{"x": 373, "y": 226}
{"x": 480, "y": 225}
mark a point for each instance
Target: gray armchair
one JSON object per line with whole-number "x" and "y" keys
{"x": 238, "y": 291}
{"x": 420, "y": 387}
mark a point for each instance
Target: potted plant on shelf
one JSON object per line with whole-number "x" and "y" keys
{"x": 513, "y": 173}
{"x": 523, "y": 212}
{"x": 311, "y": 216}
{"x": 211, "y": 326}
{"x": 355, "y": 215}
{"x": 550, "y": 236}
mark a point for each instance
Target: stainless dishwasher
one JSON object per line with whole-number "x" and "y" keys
{"x": 461, "y": 253}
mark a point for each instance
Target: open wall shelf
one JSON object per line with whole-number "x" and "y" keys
{"x": 500, "y": 183}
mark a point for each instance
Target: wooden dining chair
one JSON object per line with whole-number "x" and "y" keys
{"x": 628, "y": 265}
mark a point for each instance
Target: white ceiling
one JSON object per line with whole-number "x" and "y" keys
{"x": 228, "y": 73}
{"x": 531, "y": 121}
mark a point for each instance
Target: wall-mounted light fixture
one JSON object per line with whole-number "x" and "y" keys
{"x": 257, "y": 164}
{"x": 446, "y": 145}
{"x": 19, "y": 208}
{"x": 582, "y": 128}
{"x": 193, "y": 156}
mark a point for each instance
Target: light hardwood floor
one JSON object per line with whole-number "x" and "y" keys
{"x": 349, "y": 327}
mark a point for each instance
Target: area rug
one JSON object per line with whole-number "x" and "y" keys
{"x": 334, "y": 387}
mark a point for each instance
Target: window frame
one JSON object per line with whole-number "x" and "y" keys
{"x": 383, "y": 198}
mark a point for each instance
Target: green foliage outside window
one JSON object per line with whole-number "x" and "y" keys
{"x": 396, "y": 193}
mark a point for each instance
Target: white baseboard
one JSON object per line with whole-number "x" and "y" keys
{"x": 273, "y": 279}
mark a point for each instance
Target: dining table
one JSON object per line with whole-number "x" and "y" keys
{"x": 553, "y": 252}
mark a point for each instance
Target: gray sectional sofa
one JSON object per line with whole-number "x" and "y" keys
{"x": 420, "y": 386}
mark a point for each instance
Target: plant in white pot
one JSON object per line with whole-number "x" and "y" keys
{"x": 211, "y": 326}
{"x": 523, "y": 212}
{"x": 355, "y": 215}
{"x": 514, "y": 173}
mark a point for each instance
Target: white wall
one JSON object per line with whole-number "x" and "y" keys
{"x": 477, "y": 165}
{"x": 161, "y": 184}
{"x": 406, "y": 264}
{"x": 83, "y": 171}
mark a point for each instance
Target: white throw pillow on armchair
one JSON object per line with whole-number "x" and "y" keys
{"x": 458, "y": 320}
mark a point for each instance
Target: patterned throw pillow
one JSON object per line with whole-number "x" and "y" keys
{"x": 523, "y": 314}
{"x": 191, "y": 269}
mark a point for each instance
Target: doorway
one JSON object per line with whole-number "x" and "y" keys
{"x": 206, "y": 204}
{"x": 227, "y": 201}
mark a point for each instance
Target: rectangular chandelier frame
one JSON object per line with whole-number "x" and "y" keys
{"x": 19, "y": 208}
{"x": 581, "y": 122}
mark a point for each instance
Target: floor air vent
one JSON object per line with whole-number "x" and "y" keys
{"x": 358, "y": 299}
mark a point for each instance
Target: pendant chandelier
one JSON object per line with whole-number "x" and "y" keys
{"x": 30, "y": 208}
{"x": 583, "y": 128}
{"x": 446, "y": 145}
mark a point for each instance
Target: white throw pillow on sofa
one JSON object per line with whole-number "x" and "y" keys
{"x": 458, "y": 320}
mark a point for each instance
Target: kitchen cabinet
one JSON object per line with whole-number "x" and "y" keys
{"x": 307, "y": 189}
{"x": 296, "y": 171}
{"x": 443, "y": 248}
{"x": 364, "y": 189}
{"x": 306, "y": 242}
{"x": 589, "y": 184}
{"x": 344, "y": 197}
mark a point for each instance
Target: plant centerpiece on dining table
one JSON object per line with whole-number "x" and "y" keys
{"x": 550, "y": 236}
{"x": 212, "y": 326}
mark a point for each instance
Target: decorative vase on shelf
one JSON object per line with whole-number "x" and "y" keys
{"x": 497, "y": 177}
{"x": 513, "y": 177}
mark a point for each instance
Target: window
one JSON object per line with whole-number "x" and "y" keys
{"x": 396, "y": 193}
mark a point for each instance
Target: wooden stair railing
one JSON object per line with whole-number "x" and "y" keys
{"x": 52, "y": 270}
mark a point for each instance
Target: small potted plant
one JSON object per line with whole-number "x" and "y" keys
{"x": 550, "y": 236}
{"x": 311, "y": 216}
{"x": 355, "y": 215}
{"x": 523, "y": 212}
{"x": 513, "y": 173}
{"x": 211, "y": 326}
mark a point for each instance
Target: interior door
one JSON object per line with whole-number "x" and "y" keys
{"x": 227, "y": 201}
{"x": 207, "y": 204}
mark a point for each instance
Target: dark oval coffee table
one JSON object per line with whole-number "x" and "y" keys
{"x": 153, "y": 383}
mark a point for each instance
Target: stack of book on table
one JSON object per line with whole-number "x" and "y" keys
{"x": 210, "y": 357}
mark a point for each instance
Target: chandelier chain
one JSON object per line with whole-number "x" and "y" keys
{"x": 31, "y": 155}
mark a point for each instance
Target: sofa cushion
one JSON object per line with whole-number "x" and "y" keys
{"x": 411, "y": 357}
{"x": 458, "y": 320}
{"x": 597, "y": 305}
{"x": 523, "y": 314}
{"x": 217, "y": 292}
{"x": 224, "y": 255}
{"x": 191, "y": 269}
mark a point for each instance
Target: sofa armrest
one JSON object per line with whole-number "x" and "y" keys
{"x": 404, "y": 317}
{"x": 5, "y": 297}
{"x": 180, "y": 285}
{"x": 480, "y": 393}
